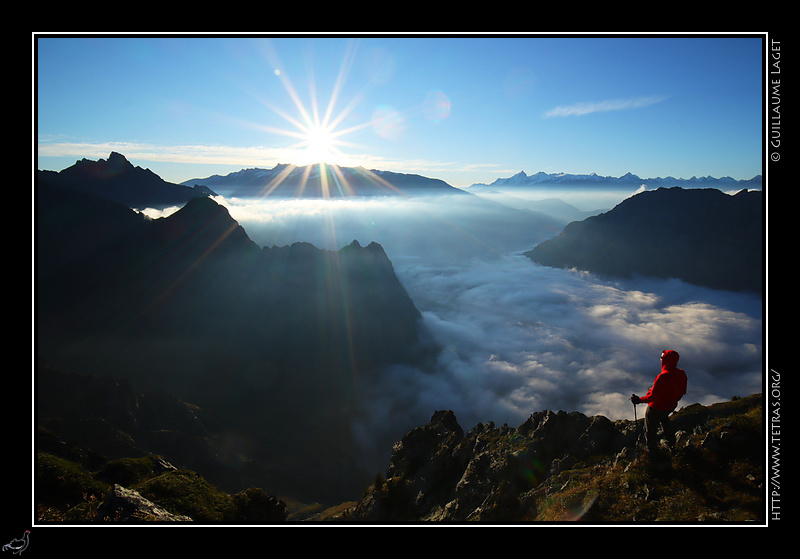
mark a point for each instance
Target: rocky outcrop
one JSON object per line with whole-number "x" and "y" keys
{"x": 437, "y": 472}
{"x": 128, "y": 506}
{"x": 503, "y": 474}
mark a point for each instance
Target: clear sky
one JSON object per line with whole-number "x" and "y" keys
{"x": 465, "y": 110}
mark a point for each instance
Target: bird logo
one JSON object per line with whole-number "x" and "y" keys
{"x": 18, "y": 545}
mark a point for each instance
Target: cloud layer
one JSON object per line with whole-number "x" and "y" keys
{"x": 519, "y": 337}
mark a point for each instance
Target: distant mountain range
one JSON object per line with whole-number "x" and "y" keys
{"x": 627, "y": 180}
{"x": 702, "y": 236}
{"x": 321, "y": 181}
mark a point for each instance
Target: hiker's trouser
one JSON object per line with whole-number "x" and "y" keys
{"x": 652, "y": 419}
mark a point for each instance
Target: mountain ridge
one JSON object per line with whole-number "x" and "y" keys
{"x": 321, "y": 181}
{"x": 629, "y": 179}
{"x": 117, "y": 180}
{"x": 191, "y": 305}
{"x": 702, "y": 236}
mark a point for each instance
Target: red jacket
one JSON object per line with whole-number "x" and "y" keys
{"x": 669, "y": 386}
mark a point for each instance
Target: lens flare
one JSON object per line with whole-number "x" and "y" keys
{"x": 436, "y": 107}
{"x": 319, "y": 133}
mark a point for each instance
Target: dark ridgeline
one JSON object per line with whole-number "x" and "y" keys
{"x": 117, "y": 180}
{"x": 276, "y": 341}
{"x": 321, "y": 181}
{"x": 702, "y": 236}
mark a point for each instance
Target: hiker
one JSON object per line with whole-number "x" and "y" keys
{"x": 662, "y": 399}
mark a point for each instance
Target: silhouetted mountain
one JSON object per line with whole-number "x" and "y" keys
{"x": 277, "y": 341}
{"x": 321, "y": 181}
{"x": 628, "y": 180}
{"x": 117, "y": 180}
{"x": 702, "y": 236}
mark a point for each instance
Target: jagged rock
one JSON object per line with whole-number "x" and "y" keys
{"x": 438, "y": 473}
{"x": 427, "y": 446}
{"x": 502, "y": 474}
{"x": 127, "y": 505}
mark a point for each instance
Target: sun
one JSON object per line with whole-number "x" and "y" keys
{"x": 318, "y": 131}
{"x": 319, "y": 144}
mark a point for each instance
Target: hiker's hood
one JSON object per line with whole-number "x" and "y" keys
{"x": 669, "y": 360}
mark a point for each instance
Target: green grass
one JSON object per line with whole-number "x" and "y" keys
{"x": 718, "y": 483}
{"x": 68, "y": 492}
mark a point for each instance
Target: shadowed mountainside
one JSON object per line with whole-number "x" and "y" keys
{"x": 321, "y": 181}
{"x": 701, "y": 236}
{"x": 188, "y": 304}
{"x": 117, "y": 180}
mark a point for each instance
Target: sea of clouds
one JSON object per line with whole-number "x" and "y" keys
{"x": 518, "y": 337}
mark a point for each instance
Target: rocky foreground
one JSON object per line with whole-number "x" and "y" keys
{"x": 556, "y": 466}
{"x": 560, "y": 466}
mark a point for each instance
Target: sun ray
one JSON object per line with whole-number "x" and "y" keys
{"x": 316, "y": 128}
{"x": 276, "y": 182}
{"x": 344, "y": 71}
{"x": 319, "y": 128}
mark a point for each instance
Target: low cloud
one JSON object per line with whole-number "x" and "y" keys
{"x": 531, "y": 338}
{"x": 518, "y": 337}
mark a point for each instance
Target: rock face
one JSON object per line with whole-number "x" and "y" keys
{"x": 128, "y": 506}
{"x": 437, "y": 472}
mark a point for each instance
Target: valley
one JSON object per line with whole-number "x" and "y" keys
{"x": 315, "y": 333}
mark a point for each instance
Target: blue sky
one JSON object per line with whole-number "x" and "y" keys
{"x": 465, "y": 110}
